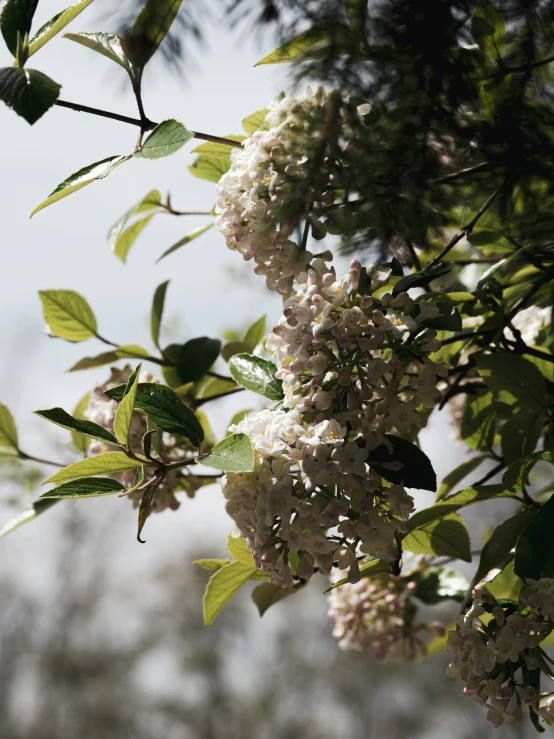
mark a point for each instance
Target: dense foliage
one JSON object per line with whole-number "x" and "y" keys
{"x": 428, "y": 157}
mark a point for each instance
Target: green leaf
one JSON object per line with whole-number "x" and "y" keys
{"x": 121, "y": 238}
{"x": 55, "y": 25}
{"x": 256, "y": 121}
{"x": 127, "y": 351}
{"x": 80, "y": 179}
{"x": 447, "y": 537}
{"x": 215, "y": 386}
{"x": 240, "y": 416}
{"x": 420, "y": 279}
{"x": 8, "y": 429}
{"x": 256, "y": 374}
{"x": 435, "y": 584}
{"x": 479, "y": 421}
{"x": 222, "y": 586}
{"x": 512, "y": 378}
{"x": 68, "y": 315}
{"x": 521, "y": 433}
{"x": 88, "y": 487}
{"x": 16, "y": 17}
{"x": 146, "y": 505}
{"x": 417, "y": 470}
{"x": 318, "y": 42}
{"x": 104, "y": 43}
{"x": 449, "y": 318}
{"x": 99, "y": 464}
{"x": 196, "y": 357}
{"x": 209, "y": 168}
{"x": 451, "y": 504}
{"x": 124, "y": 413}
{"x": 165, "y": 408}
{"x": 218, "y": 151}
{"x": 238, "y": 549}
{"x": 152, "y": 24}
{"x": 484, "y": 237}
{"x": 232, "y": 454}
{"x": 516, "y": 477}
{"x": 168, "y": 137}
{"x": 458, "y": 474}
{"x": 234, "y": 347}
{"x": 186, "y": 240}
{"x": 255, "y": 334}
{"x": 156, "y": 313}
{"x": 80, "y": 442}
{"x": 535, "y": 547}
{"x": 38, "y": 507}
{"x": 267, "y": 594}
{"x": 497, "y": 552}
{"x": 63, "y": 419}
{"x": 213, "y": 565}
{"x": 28, "y": 92}
{"x": 489, "y": 30}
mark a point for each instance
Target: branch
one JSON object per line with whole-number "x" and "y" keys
{"x": 144, "y": 125}
{"x": 468, "y": 228}
{"x": 39, "y": 460}
{"x": 524, "y": 349}
{"x": 483, "y": 167}
{"x": 477, "y": 260}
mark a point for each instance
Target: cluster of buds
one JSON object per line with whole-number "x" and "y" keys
{"x": 355, "y": 367}
{"x": 493, "y": 640}
{"x": 296, "y": 170}
{"x": 101, "y": 410}
{"x": 377, "y": 614}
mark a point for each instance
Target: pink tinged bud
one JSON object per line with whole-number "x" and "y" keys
{"x": 412, "y": 586}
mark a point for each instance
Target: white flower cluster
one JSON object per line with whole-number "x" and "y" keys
{"x": 488, "y": 651}
{"x": 285, "y": 174}
{"x": 354, "y": 368}
{"x": 101, "y": 410}
{"x": 375, "y": 614}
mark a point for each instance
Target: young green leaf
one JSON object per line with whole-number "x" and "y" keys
{"x": 186, "y": 240}
{"x": 521, "y": 433}
{"x": 479, "y": 421}
{"x": 489, "y": 30}
{"x": 232, "y": 454}
{"x": 238, "y": 549}
{"x": 87, "y": 487}
{"x": 255, "y": 334}
{"x": 79, "y": 441}
{"x": 127, "y": 351}
{"x": 124, "y": 413}
{"x": 319, "y": 42}
{"x": 63, "y": 419}
{"x": 256, "y": 374}
{"x": 212, "y": 565}
{"x": 535, "y": 547}
{"x": 417, "y": 470}
{"x": 152, "y": 24}
{"x": 196, "y": 357}
{"x": 68, "y": 315}
{"x": 209, "y": 168}
{"x": 28, "y": 92}
{"x": 436, "y": 584}
{"x": 267, "y": 594}
{"x": 146, "y": 505}
{"x": 512, "y": 378}
{"x": 213, "y": 386}
{"x": 80, "y": 179}
{"x": 156, "y": 313}
{"x": 104, "y": 43}
{"x": 168, "y": 137}
{"x": 256, "y": 121}
{"x": 423, "y": 278}
{"x": 234, "y": 347}
{"x": 219, "y": 151}
{"x": 16, "y": 18}
{"x": 121, "y": 238}
{"x": 165, "y": 408}
{"x": 99, "y": 464}
{"x": 38, "y": 507}
{"x": 126, "y": 239}
{"x": 447, "y": 537}
{"x": 8, "y": 429}
{"x": 55, "y": 25}
{"x": 516, "y": 477}
{"x": 458, "y": 474}
{"x": 222, "y": 586}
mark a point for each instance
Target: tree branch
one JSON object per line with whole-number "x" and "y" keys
{"x": 483, "y": 167}
{"x": 144, "y": 125}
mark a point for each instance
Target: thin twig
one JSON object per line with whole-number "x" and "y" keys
{"x": 413, "y": 254}
{"x": 145, "y": 125}
{"x": 39, "y": 460}
{"x": 483, "y": 167}
{"x": 477, "y": 260}
{"x": 468, "y": 228}
{"x": 490, "y": 474}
